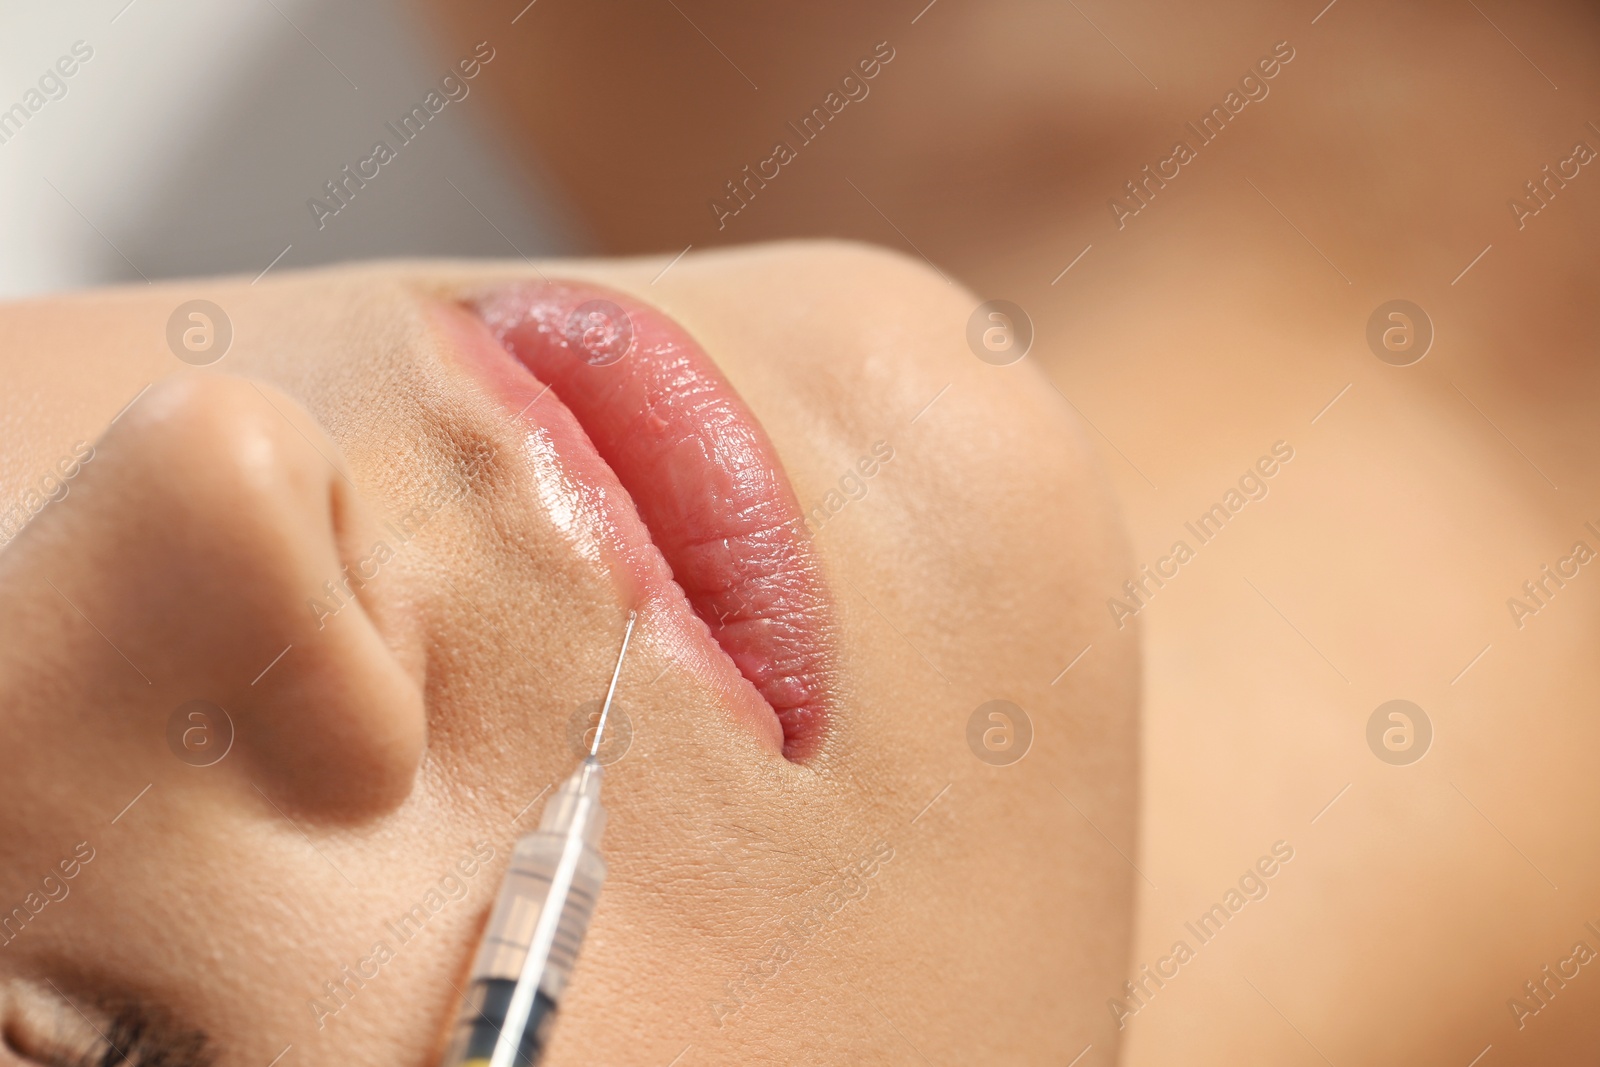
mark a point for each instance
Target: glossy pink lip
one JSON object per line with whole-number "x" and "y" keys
{"x": 658, "y": 425}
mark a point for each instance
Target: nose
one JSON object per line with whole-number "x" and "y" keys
{"x": 213, "y": 584}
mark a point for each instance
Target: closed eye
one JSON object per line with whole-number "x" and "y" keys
{"x": 52, "y": 1031}
{"x": 138, "y": 1037}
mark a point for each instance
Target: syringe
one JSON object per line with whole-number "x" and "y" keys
{"x": 538, "y": 923}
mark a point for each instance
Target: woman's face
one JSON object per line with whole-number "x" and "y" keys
{"x": 296, "y": 642}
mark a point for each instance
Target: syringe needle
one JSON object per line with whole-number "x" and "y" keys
{"x": 605, "y": 709}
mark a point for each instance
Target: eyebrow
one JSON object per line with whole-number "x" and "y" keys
{"x": 142, "y": 1036}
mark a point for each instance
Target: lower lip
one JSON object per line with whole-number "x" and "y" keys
{"x": 666, "y": 474}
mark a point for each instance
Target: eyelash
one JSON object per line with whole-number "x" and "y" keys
{"x": 135, "y": 1041}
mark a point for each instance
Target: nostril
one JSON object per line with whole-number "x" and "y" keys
{"x": 216, "y": 514}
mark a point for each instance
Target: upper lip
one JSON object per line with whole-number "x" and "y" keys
{"x": 694, "y": 510}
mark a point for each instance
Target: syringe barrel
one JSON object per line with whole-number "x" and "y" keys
{"x": 574, "y": 811}
{"x": 522, "y": 898}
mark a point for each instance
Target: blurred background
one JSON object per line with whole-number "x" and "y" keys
{"x": 243, "y": 112}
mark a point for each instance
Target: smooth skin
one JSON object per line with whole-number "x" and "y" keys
{"x": 385, "y": 754}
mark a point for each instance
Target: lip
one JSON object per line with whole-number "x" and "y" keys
{"x": 662, "y": 474}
